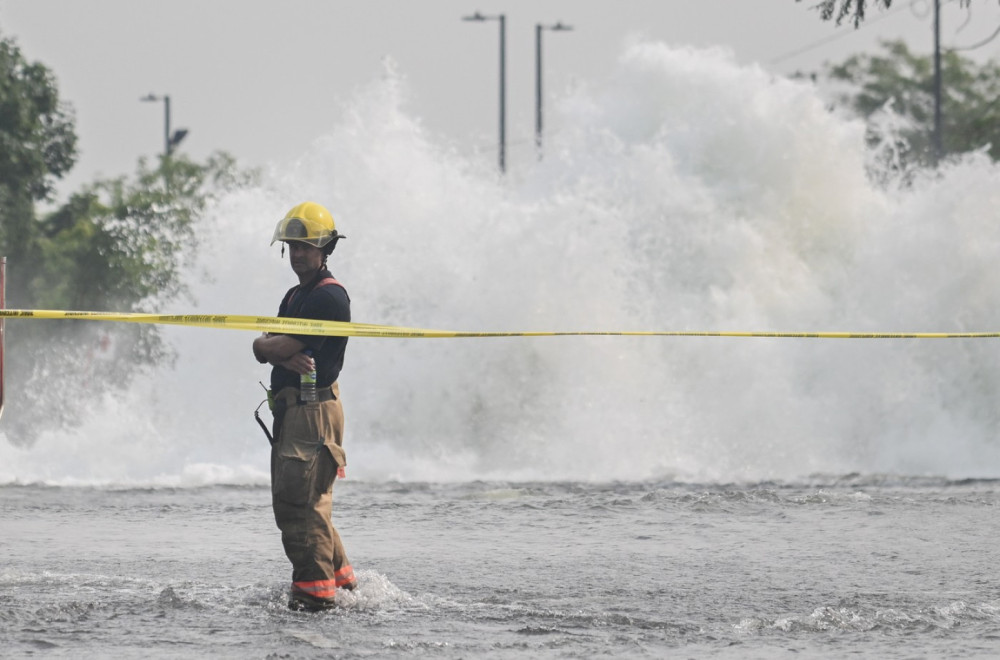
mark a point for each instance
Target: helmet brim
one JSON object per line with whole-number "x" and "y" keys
{"x": 320, "y": 242}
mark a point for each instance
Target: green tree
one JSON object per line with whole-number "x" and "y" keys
{"x": 37, "y": 146}
{"x": 970, "y": 112}
{"x": 122, "y": 243}
{"x": 119, "y": 244}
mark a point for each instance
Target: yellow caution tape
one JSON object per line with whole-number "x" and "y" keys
{"x": 341, "y": 329}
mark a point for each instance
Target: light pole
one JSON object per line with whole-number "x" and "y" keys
{"x": 169, "y": 140}
{"x": 558, "y": 27}
{"x": 937, "y": 141}
{"x": 503, "y": 82}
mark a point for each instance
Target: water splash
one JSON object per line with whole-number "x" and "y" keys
{"x": 685, "y": 192}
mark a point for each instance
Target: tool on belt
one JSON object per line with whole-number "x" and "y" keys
{"x": 256, "y": 414}
{"x": 278, "y": 407}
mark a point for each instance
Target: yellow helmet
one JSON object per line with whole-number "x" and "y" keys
{"x": 307, "y": 222}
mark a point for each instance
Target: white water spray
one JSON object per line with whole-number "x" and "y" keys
{"x": 685, "y": 193}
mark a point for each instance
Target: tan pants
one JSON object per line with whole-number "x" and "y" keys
{"x": 304, "y": 463}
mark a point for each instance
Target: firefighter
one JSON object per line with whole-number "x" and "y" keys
{"x": 307, "y": 452}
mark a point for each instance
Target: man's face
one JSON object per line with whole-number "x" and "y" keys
{"x": 305, "y": 258}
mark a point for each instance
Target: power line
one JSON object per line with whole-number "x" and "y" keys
{"x": 978, "y": 45}
{"x": 835, "y": 37}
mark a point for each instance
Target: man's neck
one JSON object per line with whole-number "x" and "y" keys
{"x": 306, "y": 279}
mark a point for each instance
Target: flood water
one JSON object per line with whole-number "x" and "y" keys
{"x": 874, "y": 568}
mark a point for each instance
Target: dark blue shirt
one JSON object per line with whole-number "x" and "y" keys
{"x": 329, "y": 302}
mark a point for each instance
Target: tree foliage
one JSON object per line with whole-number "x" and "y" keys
{"x": 841, "y": 9}
{"x": 37, "y": 144}
{"x": 121, "y": 244}
{"x": 855, "y": 9}
{"x": 904, "y": 83}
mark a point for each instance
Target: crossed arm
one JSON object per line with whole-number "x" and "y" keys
{"x": 282, "y": 351}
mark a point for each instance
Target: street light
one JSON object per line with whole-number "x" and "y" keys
{"x": 558, "y": 27}
{"x": 503, "y": 82}
{"x": 937, "y": 140}
{"x": 169, "y": 140}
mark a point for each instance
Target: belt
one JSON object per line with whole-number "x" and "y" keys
{"x": 322, "y": 394}
{"x": 287, "y": 395}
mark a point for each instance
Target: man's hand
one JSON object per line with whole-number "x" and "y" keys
{"x": 300, "y": 363}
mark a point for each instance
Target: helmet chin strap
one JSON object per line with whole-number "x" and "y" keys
{"x": 282, "y": 249}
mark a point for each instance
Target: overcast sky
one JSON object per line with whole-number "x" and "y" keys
{"x": 263, "y": 79}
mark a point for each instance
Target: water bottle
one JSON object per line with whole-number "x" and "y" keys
{"x": 307, "y": 384}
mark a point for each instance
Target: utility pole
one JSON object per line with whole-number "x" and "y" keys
{"x": 502, "y": 157}
{"x": 170, "y": 141}
{"x": 503, "y": 94}
{"x": 938, "y": 140}
{"x": 3, "y": 305}
{"x": 558, "y": 27}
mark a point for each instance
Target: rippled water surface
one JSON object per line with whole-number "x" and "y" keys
{"x": 866, "y": 567}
